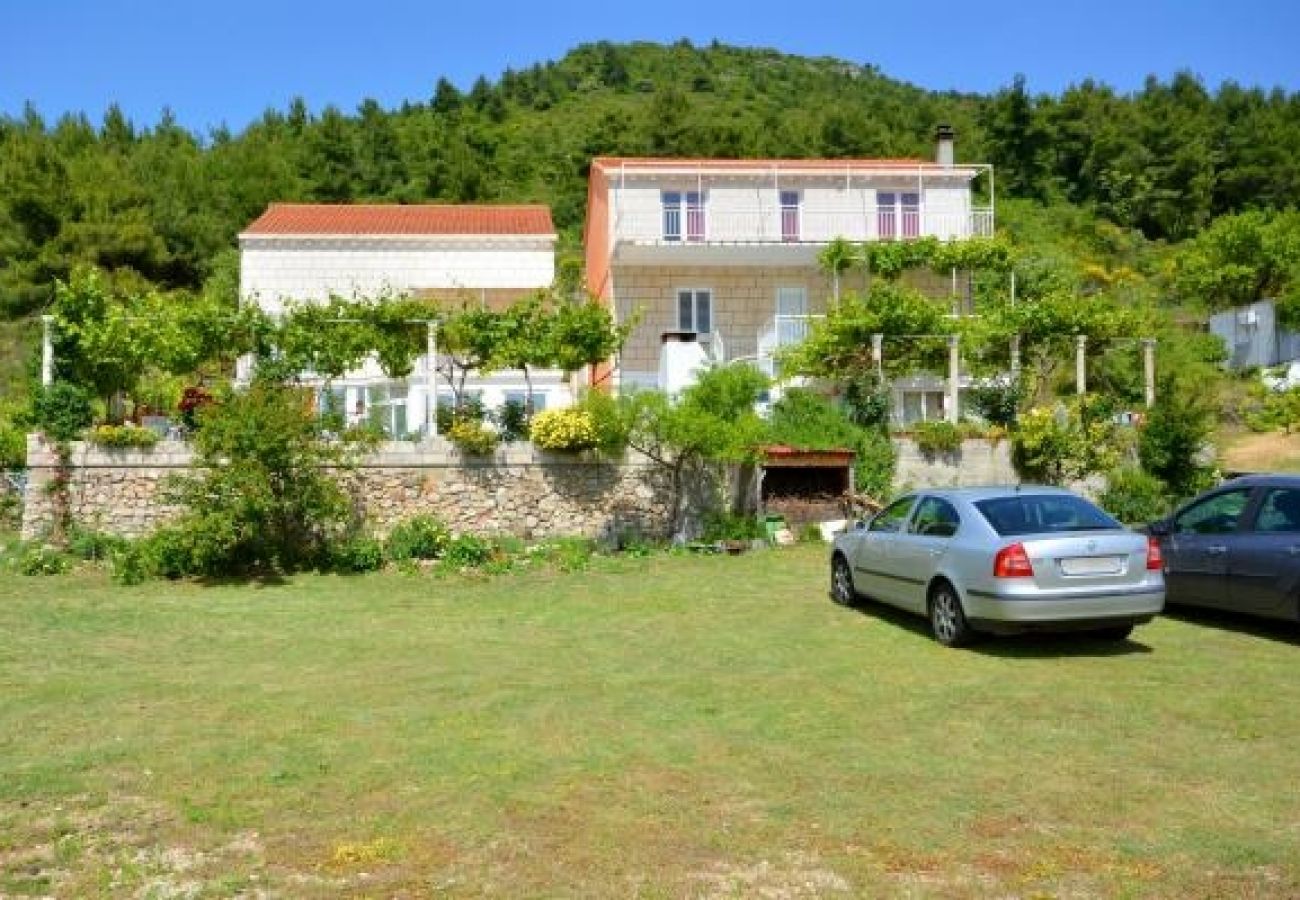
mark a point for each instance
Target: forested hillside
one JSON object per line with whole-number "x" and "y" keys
{"x": 158, "y": 202}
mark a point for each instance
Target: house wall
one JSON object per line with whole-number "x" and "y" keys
{"x": 275, "y": 270}
{"x": 747, "y": 208}
{"x": 744, "y": 304}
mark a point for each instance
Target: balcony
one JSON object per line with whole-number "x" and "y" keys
{"x": 801, "y": 232}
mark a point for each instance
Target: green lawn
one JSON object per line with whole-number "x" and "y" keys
{"x": 664, "y": 727}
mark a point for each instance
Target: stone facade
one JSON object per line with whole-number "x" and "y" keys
{"x": 519, "y": 491}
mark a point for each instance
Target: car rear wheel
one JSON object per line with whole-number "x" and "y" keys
{"x": 1114, "y": 633}
{"x": 842, "y": 591}
{"x": 947, "y": 618}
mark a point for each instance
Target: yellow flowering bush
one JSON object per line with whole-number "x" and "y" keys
{"x": 563, "y": 429}
{"x": 472, "y": 437}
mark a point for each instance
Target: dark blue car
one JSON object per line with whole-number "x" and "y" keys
{"x": 1236, "y": 547}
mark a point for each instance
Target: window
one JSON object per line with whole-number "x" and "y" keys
{"x": 683, "y": 208}
{"x": 936, "y": 518}
{"x": 1218, "y": 514}
{"x": 695, "y": 310}
{"x": 891, "y": 518}
{"x": 791, "y": 315}
{"x": 1280, "y": 511}
{"x": 1043, "y": 514}
{"x": 789, "y": 216}
{"x": 386, "y": 409}
{"x": 521, "y": 399}
{"x": 898, "y": 214}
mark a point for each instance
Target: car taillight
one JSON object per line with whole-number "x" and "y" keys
{"x": 1012, "y": 562}
{"x": 1155, "y": 559}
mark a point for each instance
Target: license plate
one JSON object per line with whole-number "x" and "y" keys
{"x": 1092, "y": 565}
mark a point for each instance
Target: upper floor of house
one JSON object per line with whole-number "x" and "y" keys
{"x": 306, "y": 251}
{"x": 645, "y": 211}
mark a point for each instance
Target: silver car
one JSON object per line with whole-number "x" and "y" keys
{"x": 1002, "y": 560}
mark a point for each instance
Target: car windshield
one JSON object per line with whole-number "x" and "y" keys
{"x": 1043, "y": 514}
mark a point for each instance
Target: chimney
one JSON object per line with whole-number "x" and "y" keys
{"x": 943, "y": 141}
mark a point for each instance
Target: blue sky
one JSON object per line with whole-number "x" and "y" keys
{"x": 226, "y": 61}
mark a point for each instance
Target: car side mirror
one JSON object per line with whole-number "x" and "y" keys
{"x": 1160, "y": 528}
{"x": 860, "y": 525}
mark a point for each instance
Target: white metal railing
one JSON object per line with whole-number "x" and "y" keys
{"x": 815, "y": 226}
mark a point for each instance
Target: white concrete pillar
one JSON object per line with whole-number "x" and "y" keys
{"x": 47, "y": 350}
{"x": 954, "y": 376}
{"x": 1149, "y": 370}
{"x": 431, "y": 377}
{"x": 1015, "y": 359}
{"x": 1081, "y": 364}
{"x": 878, "y": 355}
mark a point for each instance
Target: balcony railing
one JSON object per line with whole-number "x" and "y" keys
{"x": 809, "y": 226}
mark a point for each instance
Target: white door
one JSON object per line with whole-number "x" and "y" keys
{"x": 791, "y": 315}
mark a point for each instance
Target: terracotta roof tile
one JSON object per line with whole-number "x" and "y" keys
{"x": 396, "y": 219}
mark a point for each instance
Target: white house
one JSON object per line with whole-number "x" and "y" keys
{"x": 718, "y": 257}
{"x": 489, "y": 254}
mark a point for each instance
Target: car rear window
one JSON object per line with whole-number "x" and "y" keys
{"x": 1043, "y": 514}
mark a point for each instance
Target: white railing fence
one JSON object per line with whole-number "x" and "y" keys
{"x": 772, "y": 226}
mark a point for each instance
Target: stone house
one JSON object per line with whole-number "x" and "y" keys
{"x": 492, "y": 255}
{"x": 719, "y": 257}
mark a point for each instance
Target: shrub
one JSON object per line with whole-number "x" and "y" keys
{"x": 1056, "y": 446}
{"x": 571, "y": 554}
{"x": 467, "y": 551}
{"x": 63, "y": 411}
{"x": 867, "y": 402}
{"x": 732, "y": 527}
{"x": 36, "y": 559}
{"x": 13, "y": 437}
{"x": 84, "y": 543}
{"x": 996, "y": 402}
{"x": 473, "y": 437}
{"x": 568, "y": 429}
{"x": 811, "y": 534}
{"x": 1134, "y": 496}
{"x": 356, "y": 554}
{"x": 607, "y": 419}
{"x": 194, "y": 399}
{"x": 420, "y": 537}
{"x": 938, "y": 438}
{"x": 804, "y": 419}
{"x": 1172, "y": 439}
{"x": 130, "y": 564}
{"x": 512, "y": 421}
{"x": 123, "y": 436}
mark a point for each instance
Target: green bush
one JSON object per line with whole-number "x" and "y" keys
{"x": 130, "y": 563}
{"x": 1054, "y": 447}
{"x": 512, "y": 421}
{"x": 996, "y": 402}
{"x": 87, "y": 544}
{"x": 467, "y": 551}
{"x": 868, "y": 403}
{"x": 1133, "y": 496}
{"x": 811, "y": 534}
{"x": 473, "y": 438}
{"x": 1173, "y": 437}
{"x": 420, "y": 537}
{"x": 938, "y": 438}
{"x": 721, "y": 526}
{"x": 123, "y": 436}
{"x": 356, "y": 554}
{"x": 36, "y": 559}
{"x": 571, "y": 554}
{"x": 63, "y": 411}
{"x": 13, "y": 439}
{"x": 607, "y": 419}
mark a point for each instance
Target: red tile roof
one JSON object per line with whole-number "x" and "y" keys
{"x": 395, "y": 219}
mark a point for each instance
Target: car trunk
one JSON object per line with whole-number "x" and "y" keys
{"x": 1087, "y": 559}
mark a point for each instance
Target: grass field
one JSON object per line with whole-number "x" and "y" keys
{"x": 663, "y": 727}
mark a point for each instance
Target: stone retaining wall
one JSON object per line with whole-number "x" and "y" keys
{"x": 518, "y": 491}
{"x": 978, "y": 462}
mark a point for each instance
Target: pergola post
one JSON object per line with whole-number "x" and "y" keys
{"x": 1015, "y": 359}
{"x": 1149, "y": 371}
{"x": 47, "y": 350}
{"x": 430, "y": 375}
{"x": 1081, "y": 364}
{"x": 954, "y": 375}
{"x": 878, "y": 356}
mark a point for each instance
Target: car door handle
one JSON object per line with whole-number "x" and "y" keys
{"x": 1216, "y": 550}
{"x": 938, "y": 551}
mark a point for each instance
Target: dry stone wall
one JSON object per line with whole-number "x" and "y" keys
{"x": 519, "y": 491}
